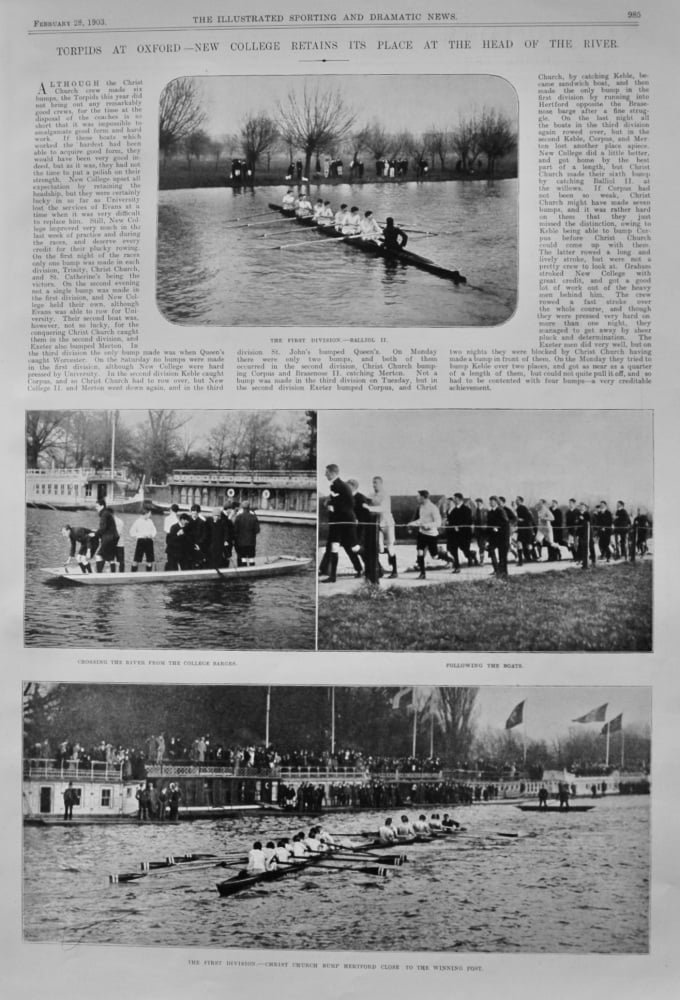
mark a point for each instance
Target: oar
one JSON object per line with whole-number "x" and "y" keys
{"x": 384, "y": 859}
{"x": 316, "y": 243}
{"x": 126, "y": 877}
{"x": 274, "y": 222}
{"x": 363, "y": 869}
{"x": 256, "y": 215}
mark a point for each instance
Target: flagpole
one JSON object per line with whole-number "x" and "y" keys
{"x": 606, "y": 758}
{"x": 431, "y": 734}
{"x": 622, "y": 747}
{"x": 266, "y": 725}
{"x": 332, "y": 721}
{"x": 415, "y": 725}
{"x": 524, "y": 741}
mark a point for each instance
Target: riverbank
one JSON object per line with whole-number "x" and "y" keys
{"x": 176, "y": 175}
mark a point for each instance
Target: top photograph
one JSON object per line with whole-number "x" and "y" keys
{"x": 338, "y": 201}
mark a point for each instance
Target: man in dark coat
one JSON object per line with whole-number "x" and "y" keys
{"x": 459, "y": 531}
{"x": 498, "y": 536}
{"x": 246, "y": 529}
{"x": 178, "y": 544}
{"x": 107, "y": 538}
{"x": 621, "y": 529}
{"x": 342, "y": 523}
{"x": 526, "y": 532}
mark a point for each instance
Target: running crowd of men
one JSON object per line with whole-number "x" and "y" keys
{"x": 193, "y": 540}
{"x": 457, "y": 527}
{"x": 346, "y": 221}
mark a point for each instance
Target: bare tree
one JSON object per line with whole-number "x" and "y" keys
{"x": 457, "y": 705}
{"x": 180, "y": 113}
{"x": 496, "y": 137}
{"x": 465, "y": 142}
{"x": 259, "y": 135}
{"x": 314, "y": 120}
{"x": 196, "y": 145}
{"x": 44, "y": 435}
{"x": 158, "y": 445}
{"x": 436, "y": 142}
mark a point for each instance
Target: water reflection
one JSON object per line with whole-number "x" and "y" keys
{"x": 269, "y": 613}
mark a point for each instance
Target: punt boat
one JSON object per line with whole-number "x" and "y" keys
{"x": 376, "y": 250}
{"x": 562, "y": 809}
{"x": 72, "y": 575}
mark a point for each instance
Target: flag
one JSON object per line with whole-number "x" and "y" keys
{"x": 613, "y": 726}
{"x": 516, "y": 717}
{"x": 420, "y": 699}
{"x": 597, "y": 715}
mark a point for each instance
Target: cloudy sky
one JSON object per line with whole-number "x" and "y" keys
{"x": 556, "y": 454}
{"x": 413, "y": 102}
{"x": 549, "y": 711}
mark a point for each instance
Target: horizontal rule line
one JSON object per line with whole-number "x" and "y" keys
{"x": 334, "y": 26}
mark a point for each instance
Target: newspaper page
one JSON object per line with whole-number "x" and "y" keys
{"x": 339, "y": 396}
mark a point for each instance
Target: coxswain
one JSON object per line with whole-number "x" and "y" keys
{"x": 405, "y": 829}
{"x": 449, "y": 824}
{"x": 289, "y": 199}
{"x": 351, "y": 225}
{"x": 81, "y": 537}
{"x": 340, "y": 216}
{"x": 370, "y": 230}
{"x": 387, "y": 834}
{"x": 421, "y": 826}
{"x": 393, "y": 237}
{"x": 326, "y": 216}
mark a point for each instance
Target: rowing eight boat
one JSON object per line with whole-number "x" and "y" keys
{"x": 376, "y": 249}
{"x": 562, "y": 809}
{"x": 278, "y": 566}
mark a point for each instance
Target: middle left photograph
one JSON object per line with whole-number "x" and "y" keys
{"x": 170, "y": 529}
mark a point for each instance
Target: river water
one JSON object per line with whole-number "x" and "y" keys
{"x": 275, "y": 613}
{"x": 209, "y": 271}
{"x": 576, "y": 883}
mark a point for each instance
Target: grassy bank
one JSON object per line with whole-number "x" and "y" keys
{"x": 603, "y": 609}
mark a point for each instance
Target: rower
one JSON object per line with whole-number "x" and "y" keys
{"x": 351, "y": 225}
{"x": 435, "y": 822}
{"x": 327, "y": 840}
{"x": 405, "y": 829}
{"x": 257, "y": 860}
{"x": 421, "y": 826}
{"x": 288, "y": 202}
{"x": 282, "y": 854}
{"x": 448, "y": 823}
{"x": 387, "y": 834}
{"x": 269, "y": 852}
{"x": 393, "y": 237}
{"x": 340, "y": 215}
{"x": 298, "y": 848}
{"x": 318, "y": 209}
{"x": 326, "y": 215}
{"x": 303, "y": 207}
{"x": 370, "y": 230}
{"x": 312, "y": 842}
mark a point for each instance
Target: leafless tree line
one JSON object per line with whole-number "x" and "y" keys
{"x": 317, "y": 121}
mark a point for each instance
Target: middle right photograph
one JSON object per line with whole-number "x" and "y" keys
{"x": 489, "y": 530}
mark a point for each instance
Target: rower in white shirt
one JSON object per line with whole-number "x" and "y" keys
{"x": 369, "y": 228}
{"x": 340, "y": 216}
{"x": 288, "y": 202}
{"x": 282, "y": 854}
{"x": 405, "y": 829}
{"x": 318, "y": 209}
{"x": 387, "y": 834}
{"x": 303, "y": 208}
{"x": 421, "y": 826}
{"x": 326, "y": 216}
{"x": 257, "y": 860}
{"x": 351, "y": 224}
